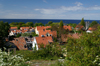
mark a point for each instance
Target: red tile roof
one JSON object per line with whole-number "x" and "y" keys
{"x": 65, "y": 37}
{"x": 79, "y": 26}
{"x": 44, "y": 32}
{"x": 42, "y": 27}
{"x": 20, "y": 43}
{"x": 93, "y": 28}
{"x": 19, "y": 31}
{"x": 23, "y": 28}
{"x": 44, "y": 40}
{"x": 13, "y": 27}
{"x": 67, "y": 27}
{"x": 90, "y": 29}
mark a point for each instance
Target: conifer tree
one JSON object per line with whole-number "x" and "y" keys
{"x": 82, "y": 22}
{"x": 61, "y": 24}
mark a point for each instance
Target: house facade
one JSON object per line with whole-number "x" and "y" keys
{"x": 39, "y": 41}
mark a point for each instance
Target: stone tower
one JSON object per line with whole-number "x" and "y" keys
{"x": 87, "y": 23}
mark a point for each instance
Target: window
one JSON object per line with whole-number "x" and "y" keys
{"x": 46, "y": 35}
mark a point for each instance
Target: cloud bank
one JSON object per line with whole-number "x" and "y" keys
{"x": 63, "y": 9}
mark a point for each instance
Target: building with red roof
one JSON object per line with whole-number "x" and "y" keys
{"x": 38, "y": 41}
{"x": 13, "y": 28}
{"x": 79, "y": 27}
{"x": 38, "y": 28}
{"x": 18, "y": 42}
{"x": 15, "y": 31}
{"x": 25, "y": 28}
{"x": 67, "y": 27}
{"x": 93, "y": 28}
{"x": 64, "y": 37}
{"x": 47, "y": 33}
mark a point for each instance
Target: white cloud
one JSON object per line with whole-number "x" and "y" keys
{"x": 45, "y": 1}
{"x": 64, "y": 9}
{"x": 78, "y": 3}
{"x": 19, "y": 16}
{"x": 59, "y": 10}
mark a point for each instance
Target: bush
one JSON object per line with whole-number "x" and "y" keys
{"x": 6, "y": 59}
{"x": 50, "y": 52}
{"x": 18, "y": 35}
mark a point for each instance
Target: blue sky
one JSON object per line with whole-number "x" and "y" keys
{"x": 50, "y": 9}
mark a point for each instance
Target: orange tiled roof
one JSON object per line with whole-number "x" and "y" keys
{"x": 67, "y": 27}
{"x": 18, "y": 31}
{"x": 79, "y": 26}
{"x": 13, "y": 27}
{"x": 93, "y": 28}
{"x": 42, "y": 27}
{"x": 44, "y": 40}
{"x": 20, "y": 43}
{"x": 25, "y": 28}
{"x": 42, "y": 32}
{"x": 65, "y": 37}
{"x": 15, "y": 31}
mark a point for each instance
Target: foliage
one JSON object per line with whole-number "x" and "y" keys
{"x": 51, "y": 51}
{"x": 38, "y": 24}
{"x": 34, "y": 34}
{"x": 18, "y": 26}
{"x": 54, "y": 26}
{"x": 93, "y": 23}
{"x": 55, "y": 39}
{"x": 82, "y": 22}
{"x": 49, "y": 23}
{"x": 30, "y": 24}
{"x": 61, "y": 24}
{"x": 6, "y": 59}
{"x": 21, "y": 24}
{"x": 13, "y": 24}
{"x": 72, "y": 24}
{"x": 18, "y": 35}
{"x": 28, "y": 34}
{"x": 4, "y": 32}
{"x": 83, "y": 51}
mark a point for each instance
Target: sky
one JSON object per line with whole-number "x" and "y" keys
{"x": 50, "y": 9}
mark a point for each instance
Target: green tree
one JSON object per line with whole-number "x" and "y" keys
{"x": 30, "y": 24}
{"x": 38, "y": 24}
{"x": 82, "y": 22}
{"x": 13, "y": 24}
{"x": 4, "y": 32}
{"x": 93, "y": 23}
{"x": 20, "y": 23}
{"x": 61, "y": 24}
{"x": 72, "y": 24}
{"x": 18, "y": 35}
{"x": 83, "y": 51}
{"x": 50, "y": 22}
{"x": 18, "y": 26}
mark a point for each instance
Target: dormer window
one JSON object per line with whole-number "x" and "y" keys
{"x": 16, "y": 39}
{"x": 46, "y": 35}
{"x": 42, "y": 35}
{"x": 43, "y": 29}
{"x": 51, "y": 35}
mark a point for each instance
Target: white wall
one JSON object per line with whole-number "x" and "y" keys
{"x": 36, "y": 31}
{"x": 35, "y": 43}
{"x": 11, "y": 33}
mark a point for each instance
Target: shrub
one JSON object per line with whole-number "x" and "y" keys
{"x": 50, "y": 52}
{"x": 6, "y": 59}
